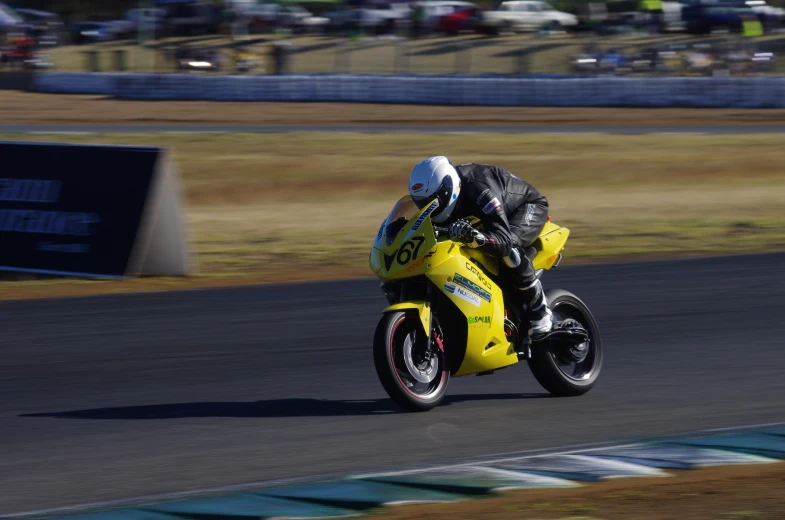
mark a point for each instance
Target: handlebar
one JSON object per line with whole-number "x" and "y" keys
{"x": 441, "y": 231}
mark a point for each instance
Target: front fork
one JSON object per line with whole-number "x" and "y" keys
{"x": 424, "y": 311}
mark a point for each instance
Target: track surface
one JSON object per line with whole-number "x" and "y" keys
{"x": 510, "y": 129}
{"x": 107, "y": 398}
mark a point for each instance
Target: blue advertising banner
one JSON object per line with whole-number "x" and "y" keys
{"x": 74, "y": 209}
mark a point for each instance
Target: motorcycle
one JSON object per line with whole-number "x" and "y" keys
{"x": 449, "y": 314}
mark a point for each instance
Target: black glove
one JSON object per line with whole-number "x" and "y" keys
{"x": 462, "y": 231}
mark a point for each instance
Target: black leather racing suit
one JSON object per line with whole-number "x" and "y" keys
{"x": 512, "y": 212}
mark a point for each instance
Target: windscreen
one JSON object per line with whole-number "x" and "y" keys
{"x": 403, "y": 211}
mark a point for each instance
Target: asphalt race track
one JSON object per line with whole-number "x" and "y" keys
{"x": 504, "y": 129}
{"x": 107, "y": 398}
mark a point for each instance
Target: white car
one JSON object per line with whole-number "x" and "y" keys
{"x": 284, "y": 16}
{"x": 437, "y": 8}
{"x": 770, "y": 14}
{"x": 433, "y": 9}
{"x": 527, "y": 15}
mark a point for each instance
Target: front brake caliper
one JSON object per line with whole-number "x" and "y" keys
{"x": 439, "y": 342}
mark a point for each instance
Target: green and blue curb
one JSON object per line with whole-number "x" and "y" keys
{"x": 354, "y": 495}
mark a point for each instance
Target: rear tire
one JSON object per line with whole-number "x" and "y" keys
{"x": 558, "y": 377}
{"x": 398, "y": 335}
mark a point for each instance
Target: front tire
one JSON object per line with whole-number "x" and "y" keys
{"x": 415, "y": 379}
{"x": 561, "y": 375}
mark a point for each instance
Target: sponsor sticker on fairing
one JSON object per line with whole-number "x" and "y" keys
{"x": 462, "y": 293}
{"x": 492, "y": 206}
{"x": 479, "y": 321}
{"x": 468, "y": 284}
{"x": 419, "y": 221}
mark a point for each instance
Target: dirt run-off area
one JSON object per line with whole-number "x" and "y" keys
{"x": 755, "y": 492}
{"x": 22, "y": 108}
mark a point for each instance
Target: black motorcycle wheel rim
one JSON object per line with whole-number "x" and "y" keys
{"x": 582, "y": 370}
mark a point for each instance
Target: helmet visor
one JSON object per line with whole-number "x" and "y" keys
{"x": 443, "y": 194}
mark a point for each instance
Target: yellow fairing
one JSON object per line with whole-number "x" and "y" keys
{"x": 407, "y": 254}
{"x": 480, "y": 300}
{"x": 550, "y": 244}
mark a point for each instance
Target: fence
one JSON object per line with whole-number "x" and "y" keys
{"x": 526, "y": 54}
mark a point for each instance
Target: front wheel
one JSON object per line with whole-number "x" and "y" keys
{"x": 413, "y": 375}
{"x": 569, "y": 371}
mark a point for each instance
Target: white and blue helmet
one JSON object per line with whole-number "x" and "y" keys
{"x": 435, "y": 178}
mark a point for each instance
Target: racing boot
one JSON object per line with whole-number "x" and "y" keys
{"x": 539, "y": 313}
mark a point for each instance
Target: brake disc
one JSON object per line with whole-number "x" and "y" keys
{"x": 424, "y": 372}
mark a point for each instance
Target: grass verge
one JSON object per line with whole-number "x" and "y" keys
{"x": 30, "y": 108}
{"x": 282, "y": 207}
{"x": 726, "y": 493}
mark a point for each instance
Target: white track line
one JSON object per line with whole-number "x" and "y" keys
{"x": 750, "y": 427}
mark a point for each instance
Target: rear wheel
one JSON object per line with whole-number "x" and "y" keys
{"x": 568, "y": 371}
{"x": 414, "y": 375}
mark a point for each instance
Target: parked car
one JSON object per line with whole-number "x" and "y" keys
{"x": 468, "y": 19}
{"x": 377, "y": 18}
{"x": 191, "y": 18}
{"x": 47, "y": 28}
{"x": 703, "y": 18}
{"x": 523, "y": 15}
{"x": 19, "y": 52}
{"x": 267, "y": 16}
{"x": 435, "y": 9}
{"x": 401, "y": 12}
{"x": 198, "y": 59}
{"x": 771, "y": 17}
{"x": 91, "y": 32}
{"x": 145, "y": 19}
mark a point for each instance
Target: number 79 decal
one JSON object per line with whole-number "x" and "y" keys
{"x": 407, "y": 252}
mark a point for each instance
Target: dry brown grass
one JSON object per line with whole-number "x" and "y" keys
{"x": 729, "y": 493}
{"x": 24, "y": 107}
{"x": 272, "y": 207}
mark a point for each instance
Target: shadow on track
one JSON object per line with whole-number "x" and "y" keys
{"x": 271, "y": 408}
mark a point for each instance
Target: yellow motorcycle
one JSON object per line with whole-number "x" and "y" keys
{"x": 449, "y": 315}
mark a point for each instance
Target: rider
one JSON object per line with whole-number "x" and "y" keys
{"x": 512, "y": 213}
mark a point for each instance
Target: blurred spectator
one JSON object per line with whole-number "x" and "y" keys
{"x": 281, "y": 54}
{"x": 355, "y": 24}
{"x": 598, "y": 14}
{"x": 417, "y": 18}
{"x": 654, "y": 9}
{"x": 751, "y": 26}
